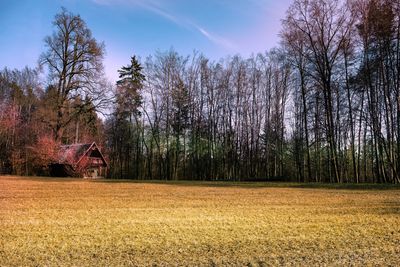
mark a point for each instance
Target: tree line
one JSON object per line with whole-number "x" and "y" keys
{"x": 324, "y": 106}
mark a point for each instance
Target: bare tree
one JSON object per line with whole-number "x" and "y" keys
{"x": 74, "y": 61}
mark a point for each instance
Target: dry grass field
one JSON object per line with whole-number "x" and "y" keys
{"x": 52, "y": 222}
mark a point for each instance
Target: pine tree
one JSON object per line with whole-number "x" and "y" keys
{"x": 127, "y": 114}
{"x": 129, "y": 86}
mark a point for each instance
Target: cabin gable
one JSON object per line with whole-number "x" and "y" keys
{"x": 80, "y": 160}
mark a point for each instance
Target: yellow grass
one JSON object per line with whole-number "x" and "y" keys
{"x": 98, "y": 223}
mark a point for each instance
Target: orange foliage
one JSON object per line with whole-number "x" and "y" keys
{"x": 9, "y": 117}
{"x": 45, "y": 151}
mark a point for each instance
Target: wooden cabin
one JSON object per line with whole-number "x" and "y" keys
{"x": 79, "y": 160}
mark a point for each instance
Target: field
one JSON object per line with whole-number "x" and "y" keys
{"x": 110, "y": 223}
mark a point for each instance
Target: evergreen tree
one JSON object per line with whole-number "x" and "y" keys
{"x": 129, "y": 86}
{"x": 126, "y": 117}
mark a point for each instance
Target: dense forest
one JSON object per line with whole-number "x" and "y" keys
{"x": 323, "y": 106}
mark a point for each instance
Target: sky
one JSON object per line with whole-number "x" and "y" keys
{"x": 216, "y": 28}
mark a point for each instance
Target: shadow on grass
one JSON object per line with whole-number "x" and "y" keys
{"x": 345, "y": 186}
{"x": 41, "y": 178}
{"x": 351, "y": 186}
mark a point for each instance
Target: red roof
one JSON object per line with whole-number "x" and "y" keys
{"x": 73, "y": 154}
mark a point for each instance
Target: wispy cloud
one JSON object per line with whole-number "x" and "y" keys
{"x": 155, "y": 7}
{"x": 216, "y": 39}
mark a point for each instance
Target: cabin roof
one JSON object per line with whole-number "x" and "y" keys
{"x": 73, "y": 154}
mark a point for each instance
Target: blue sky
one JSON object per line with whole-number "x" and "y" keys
{"x": 216, "y": 28}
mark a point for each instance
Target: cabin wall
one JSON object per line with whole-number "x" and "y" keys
{"x": 92, "y": 167}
